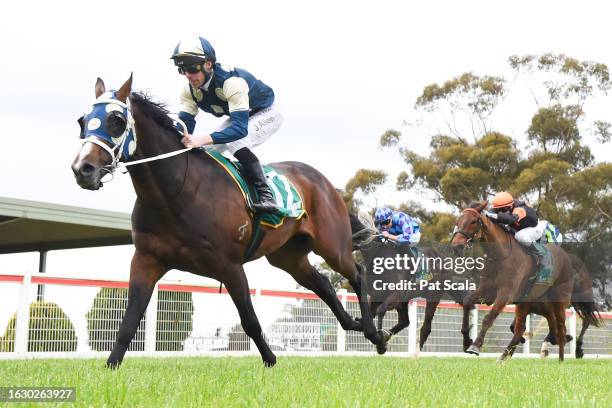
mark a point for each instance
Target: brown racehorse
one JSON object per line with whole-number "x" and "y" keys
{"x": 584, "y": 304}
{"x": 507, "y": 272}
{"x": 189, "y": 215}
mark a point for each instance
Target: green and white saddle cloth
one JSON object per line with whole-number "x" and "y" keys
{"x": 287, "y": 197}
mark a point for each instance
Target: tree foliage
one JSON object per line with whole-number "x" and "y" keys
{"x": 555, "y": 172}
{"x": 365, "y": 181}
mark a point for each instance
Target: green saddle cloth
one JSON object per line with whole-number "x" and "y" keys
{"x": 544, "y": 276}
{"x": 422, "y": 272}
{"x": 285, "y": 194}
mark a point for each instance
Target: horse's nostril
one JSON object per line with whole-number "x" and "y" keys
{"x": 87, "y": 170}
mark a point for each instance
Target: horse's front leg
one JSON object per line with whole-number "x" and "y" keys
{"x": 430, "y": 310}
{"x": 238, "y": 287}
{"x": 145, "y": 271}
{"x": 518, "y": 330}
{"x": 500, "y": 303}
{"x": 468, "y": 306}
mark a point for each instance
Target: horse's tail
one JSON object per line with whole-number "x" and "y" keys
{"x": 356, "y": 224}
{"x": 582, "y": 294}
{"x": 588, "y": 311}
{"x": 363, "y": 233}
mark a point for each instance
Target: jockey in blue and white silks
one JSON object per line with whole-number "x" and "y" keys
{"x": 227, "y": 91}
{"x": 397, "y": 226}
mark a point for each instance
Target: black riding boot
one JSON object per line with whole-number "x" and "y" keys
{"x": 534, "y": 251}
{"x": 254, "y": 174}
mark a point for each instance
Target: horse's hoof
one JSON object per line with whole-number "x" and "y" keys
{"x": 568, "y": 338}
{"x": 543, "y": 353}
{"x": 502, "y": 359}
{"x": 112, "y": 365}
{"x": 522, "y": 340}
{"x": 270, "y": 362}
{"x": 381, "y": 349}
{"x": 473, "y": 350}
{"x": 579, "y": 353}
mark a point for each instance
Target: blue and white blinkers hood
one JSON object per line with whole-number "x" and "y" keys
{"x": 96, "y": 127}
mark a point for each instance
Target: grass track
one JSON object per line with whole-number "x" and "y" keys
{"x": 321, "y": 381}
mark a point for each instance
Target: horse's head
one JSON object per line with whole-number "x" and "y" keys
{"x": 468, "y": 227}
{"x": 107, "y": 134}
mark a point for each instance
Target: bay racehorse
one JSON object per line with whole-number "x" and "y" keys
{"x": 583, "y": 303}
{"x": 505, "y": 279}
{"x": 189, "y": 215}
{"x": 365, "y": 239}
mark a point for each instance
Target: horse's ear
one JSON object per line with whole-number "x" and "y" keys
{"x": 483, "y": 204}
{"x": 100, "y": 88}
{"x": 125, "y": 90}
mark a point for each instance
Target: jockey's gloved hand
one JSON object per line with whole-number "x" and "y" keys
{"x": 491, "y": 214}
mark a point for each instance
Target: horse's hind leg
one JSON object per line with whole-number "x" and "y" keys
{"x": 579, "y": 350}
{"x": 145, "y": 271}
{"x": 333, "y": 243}
{"x": 548, "y": 340}
{"x": 298, "y": 266}
{"x": 238, "y": 287}
{"x": 403, "y": 320}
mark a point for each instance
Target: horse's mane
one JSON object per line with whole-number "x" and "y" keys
{"x": 154, "y": 110}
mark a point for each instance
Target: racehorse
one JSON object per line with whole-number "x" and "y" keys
{"x": 363, "y": 237}
{"x": 506, "y": 275}
{"x": 189, "y": 215}
{"x": 583, "y": 304}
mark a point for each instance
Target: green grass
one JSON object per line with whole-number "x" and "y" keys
{"x": 322, "y": 381}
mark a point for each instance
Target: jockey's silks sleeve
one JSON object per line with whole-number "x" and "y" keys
{"x": 236, "y": 91}
{"x": 403, "y": 226}
{"x": 507, "y": 219}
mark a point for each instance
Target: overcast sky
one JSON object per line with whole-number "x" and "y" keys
{"x": 343, "y": 72}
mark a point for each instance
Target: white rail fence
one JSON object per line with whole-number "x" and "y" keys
{"x": 80, "y": 317}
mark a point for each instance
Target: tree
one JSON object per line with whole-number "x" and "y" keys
{"x": 468, "y": 95}
{"x": 365, "y": 181}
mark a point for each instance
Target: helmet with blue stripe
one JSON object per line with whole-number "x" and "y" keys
{"x": 193, "y": 50}
{"x": 382, "y": 215}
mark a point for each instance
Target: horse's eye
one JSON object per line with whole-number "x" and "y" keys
{"x": 473, "y": 222}
{"x": 116, "y": 123}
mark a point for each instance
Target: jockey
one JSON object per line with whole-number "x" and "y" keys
{"x": 397, "y": 226}
{"x": 227, "y": 91}
{"x": 522, "y": 220}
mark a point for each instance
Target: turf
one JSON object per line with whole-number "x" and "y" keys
{"x": 322, "y": 381}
